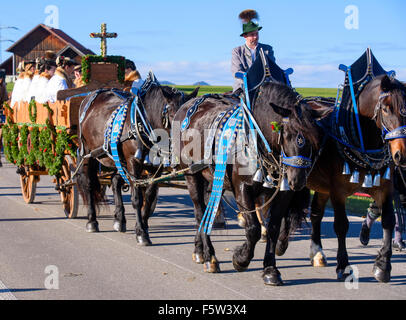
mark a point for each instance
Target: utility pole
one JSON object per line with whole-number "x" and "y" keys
{"x": 4, "y": 40}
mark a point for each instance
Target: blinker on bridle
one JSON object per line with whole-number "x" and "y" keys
{"x": 397, "y": 133}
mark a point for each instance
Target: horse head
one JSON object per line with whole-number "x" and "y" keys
{"x": 388, "y": 103}
{"x": 298, "y": 135}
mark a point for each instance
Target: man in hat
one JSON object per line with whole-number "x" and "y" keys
{"x": 132, "y": 76}
{"x": 243, "y": 56}
{"x": 78, "y": 82}
{"x": 62, "y": 77}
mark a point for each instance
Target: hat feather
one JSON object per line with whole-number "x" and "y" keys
{"x": 248, "y": 15}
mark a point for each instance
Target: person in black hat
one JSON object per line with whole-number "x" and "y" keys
{"x": 132, "y": 76}
{"x": 243, "y": 56}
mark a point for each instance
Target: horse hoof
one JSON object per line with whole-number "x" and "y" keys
{"x": 319, "y": 260}
{"x": 144, "y": 241}
{"x": 281, "y": 247}
{"x": 364, "y": 234}
{"x": 197, "y": 258}
{"x": 92, "y": 227}
{"x": 398, "y": 245}
{"x": 241, "y": 220}
{"x": 381, "y": 275}
{"x": 342, "y": 275}
{"x": 211, "y": 266}
{"x": 238, "y": 267}
{"x": 272, "y": 277}
{"x": 119, "y": 227}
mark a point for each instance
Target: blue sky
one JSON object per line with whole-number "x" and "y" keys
{"x": 184, "y": 41}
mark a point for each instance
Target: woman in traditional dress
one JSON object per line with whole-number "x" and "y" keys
{"x": 62, "y": 78}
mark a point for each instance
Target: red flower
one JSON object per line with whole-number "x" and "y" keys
{"x": 273, "y": 127}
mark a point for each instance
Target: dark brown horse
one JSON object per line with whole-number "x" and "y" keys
{"x": 157, "y": 105}
{"x": 298, "y": 137}
{"x": 382, "y": 106}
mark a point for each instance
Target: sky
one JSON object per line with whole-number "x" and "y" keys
{"x": 185, "y": 41}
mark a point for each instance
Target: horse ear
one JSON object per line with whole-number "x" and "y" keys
{"x": 281, "y": 111}
{"x": 167, "y": 95}
{"x": 193, "y": 94}
{"x": 320, "y": 112}
{"x": 386, "y": 84}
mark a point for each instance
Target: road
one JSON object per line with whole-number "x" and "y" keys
{"x": 45, "y": 256}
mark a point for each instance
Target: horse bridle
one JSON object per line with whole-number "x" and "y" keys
{"x": 387, "y": 134}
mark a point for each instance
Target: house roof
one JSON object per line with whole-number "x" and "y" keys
{"x": 57, "y": 33}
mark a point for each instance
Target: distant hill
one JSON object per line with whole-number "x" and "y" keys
{"x": 167, "y": 83}
{"x": 201, "y": 83}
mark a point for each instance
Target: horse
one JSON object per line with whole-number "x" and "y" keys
{"x": 382, "y": 110}
{"x": 295, "y": 139}
{"x": 158, "y": 105}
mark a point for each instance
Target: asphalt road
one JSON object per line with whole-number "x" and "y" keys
{"x": 45, "y": 256}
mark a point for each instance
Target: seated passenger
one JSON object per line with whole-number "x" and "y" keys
{"x": 46, "y": 75}
{"x": 29, "y": 70}
{"x": 16, "y": 94}
{"x": 132, "y": 76}
{"x": 78, "y": 82}
{"x": 37, "y": 84}
{"x": 62, "y": 77}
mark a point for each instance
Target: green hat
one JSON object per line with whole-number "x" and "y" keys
{"x": 249, "y": 27}
{"x": 247, "y": 17}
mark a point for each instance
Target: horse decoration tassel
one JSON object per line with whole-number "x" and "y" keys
{"x": 226, "y": 142}
{"x": 367, "y": 181}
{"x": 377, "y": 180}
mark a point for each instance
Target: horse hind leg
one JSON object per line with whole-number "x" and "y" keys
{"x": 119, "y": 224}
{"x": 87, "y": 182}
{"x": 141, "y": 231}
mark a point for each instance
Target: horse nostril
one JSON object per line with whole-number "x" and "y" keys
{"x": 397, "y": 157}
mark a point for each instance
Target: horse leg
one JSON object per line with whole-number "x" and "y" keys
{"x": 204, "y": 251}
{"x": 117, "y": 183}
{"x": 382, "y": 266}
{"x": 341, "y": 225}
{"x": 141, "y": 231}
{"x": 85, "y": 182}
{"x": 279, "y": 211}
{"x": 317, "y": 256}
{"x": 150, "y": 200}
{"x": 243, "y": 254}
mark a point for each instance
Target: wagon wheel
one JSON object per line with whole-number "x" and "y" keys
{"x": 69, "y": 194}
{"x": 28, "y": 187}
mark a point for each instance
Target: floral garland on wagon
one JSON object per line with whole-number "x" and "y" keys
{"x": 45, "y": 148}
{"x": 89, "y": 59}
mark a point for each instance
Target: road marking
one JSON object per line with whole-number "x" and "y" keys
{"x": 5, "y": 293}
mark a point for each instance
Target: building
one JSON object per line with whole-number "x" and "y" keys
{"x": 37, "y": 41}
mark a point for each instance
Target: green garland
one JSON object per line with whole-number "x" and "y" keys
{"x": 33, "y": 116}
{"x": 88, "y": 59}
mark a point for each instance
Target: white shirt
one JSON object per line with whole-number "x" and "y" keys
{"x": 33, "y": 90}
{"x": 25, "y": 89}
{"x": 42, "y": 94}
{"x": 54, "y": 85}
{"x": 16, "y": 94}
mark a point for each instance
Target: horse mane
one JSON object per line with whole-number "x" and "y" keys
{"x": 398, "y": 90}
{"x": 300, "y": 117}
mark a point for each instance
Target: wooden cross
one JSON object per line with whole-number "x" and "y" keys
{"x": 103, "y": 35}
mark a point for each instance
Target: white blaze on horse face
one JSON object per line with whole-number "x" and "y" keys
{"x": 352, "y": 20}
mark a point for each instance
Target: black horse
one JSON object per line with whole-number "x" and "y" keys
{"x": 276, "y": 106}
{"x": 382, "y": 108}
{"x": 157, "y": 105}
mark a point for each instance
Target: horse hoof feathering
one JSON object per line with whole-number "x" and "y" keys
{"x": 144, "y": 241}
{"x": 92, "y": 227}
{"x": 381, "y": 275}
{"x": 197, "y": 258}
{"x": 212, "y": 266}
{"x": 319, "y": 260}
{"x": 272, "y": 277}
{"x": 119, "y": 227}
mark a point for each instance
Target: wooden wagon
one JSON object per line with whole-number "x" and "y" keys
{"x": 54, "y": 126}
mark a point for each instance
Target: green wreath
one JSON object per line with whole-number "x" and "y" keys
{"x": 33, "y": 116}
